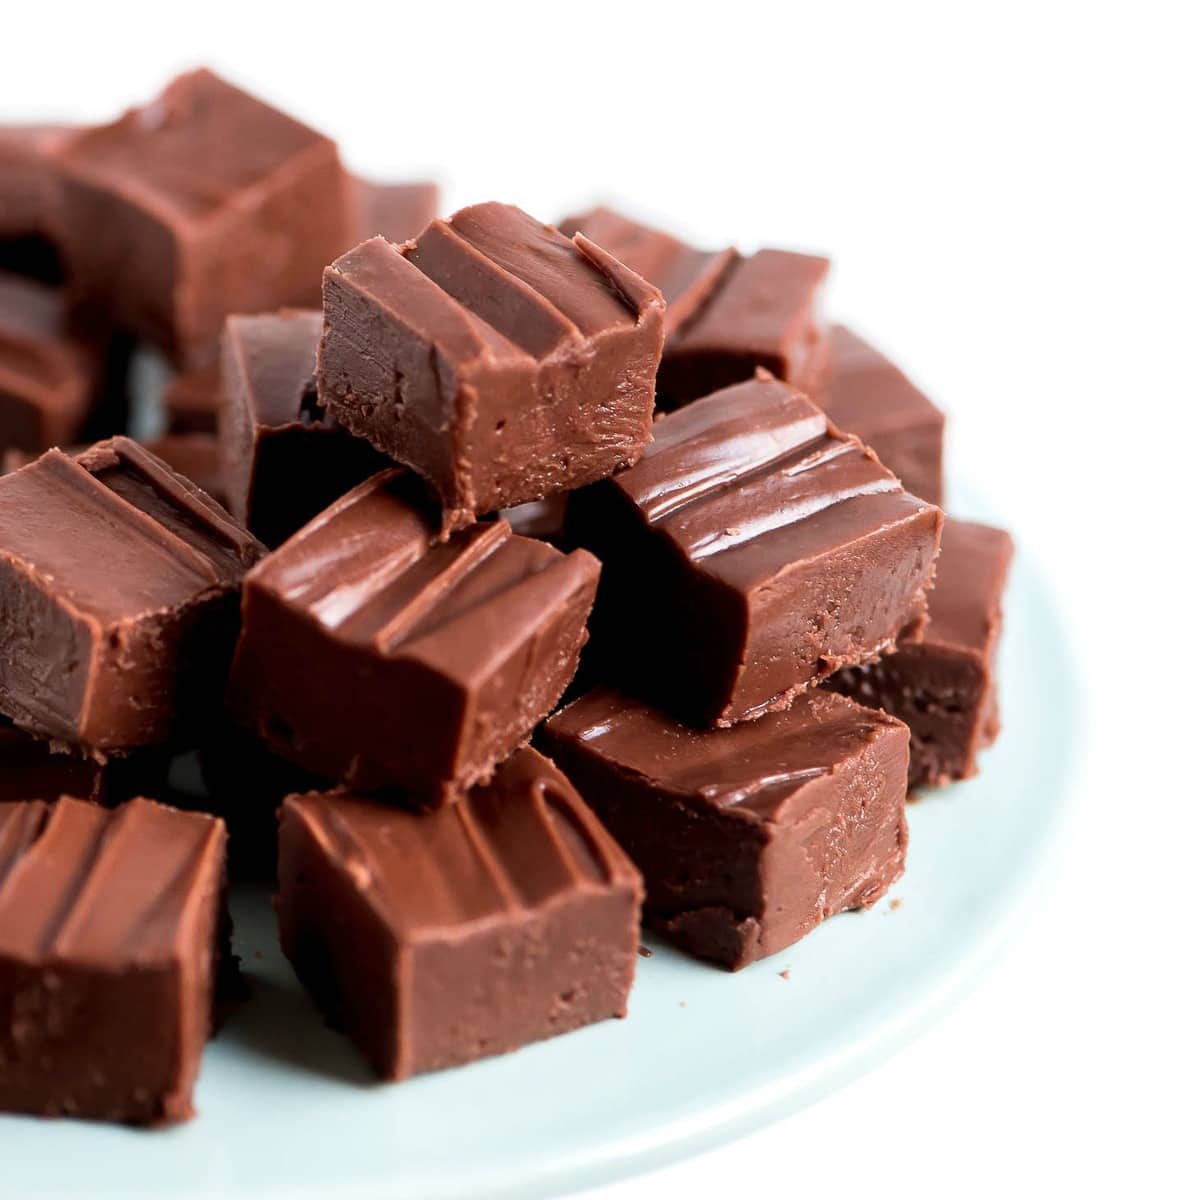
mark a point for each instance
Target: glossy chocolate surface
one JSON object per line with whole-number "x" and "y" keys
{"x": 870, "y": 397}
{"x": 747, "y": 837}
{"x": 212, "y": 201}
{"x": 375, "y": 653}
{"x": 440, "y": 938}
{"x": 110, "y": 927}
{"x": 774, "y": 548}
{"x": 944, "y": 688}
{"x": 118, "y": 591}
{"x": 500, "y": 360}
{"x": 727, "y": 314}
{"x": 687, "y": 277}
{"x": 284, "y": 459}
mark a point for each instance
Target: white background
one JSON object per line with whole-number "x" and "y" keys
{"x": 1007, "y": 191}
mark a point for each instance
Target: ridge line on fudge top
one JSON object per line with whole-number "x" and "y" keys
{"x": 277, "y": 363}
{"x": 686, "y": 276}
{"x": 159, "y": 539}
{"x": 167, "y": 173}
{"x": 753, "y": 767}
{"x": 96, "y": 884}
{"x": 373, "y": 570}
{"x": 965, "y": 601}
{"x": 745, "y": 462}
{"x": 492, "y": 280}
{"x": 522, "y": 842}
{"x": 860, "y": 375}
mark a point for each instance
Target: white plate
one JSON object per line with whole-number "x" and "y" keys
{"x": 287, "y": 1110}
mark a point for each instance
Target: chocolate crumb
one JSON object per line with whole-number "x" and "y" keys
{"x": 785, "y": 974}
{"x": 645, "y": 952}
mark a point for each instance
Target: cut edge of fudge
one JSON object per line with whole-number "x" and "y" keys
{"x": 950, "y": 675}
{"x": 484, "y": 305}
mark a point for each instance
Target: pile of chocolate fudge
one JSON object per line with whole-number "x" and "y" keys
{"x": 512, "y": 585}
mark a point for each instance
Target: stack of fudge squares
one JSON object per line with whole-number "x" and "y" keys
{"x": 433, "y": 493}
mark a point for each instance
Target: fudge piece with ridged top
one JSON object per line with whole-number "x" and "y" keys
{"x": 112, "y": 935}
{"x": 438, "y": 938}
{"x": 374, "y": 653}
{"x": 119, "y": 583}
{"x": 751, "y": 553}
{"x": 727, "y": 313}
{"x": 500, "y": 360}
{"x": 747, "y": 837}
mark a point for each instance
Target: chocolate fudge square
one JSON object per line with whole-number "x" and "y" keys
{"x": 374, "y": 653}
{"x": 944, "y": 687}
{"x": 439, "y": 938}
{"x": 111, "y": 933}
{"x": 119, "y": 583}
{"x": 498, "y": 359}
{"x": 284, "y": 459}
{"x": 870, "y": 397}
{"x": 751, "y": 553}
{"x": 210, "y": 202}
{"x": 748, "y": 837}
{"x": 48, "y": 377}
{"x": 727, "y": 313}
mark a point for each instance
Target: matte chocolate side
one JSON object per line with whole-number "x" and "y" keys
{"x": 110, "y": 938}
{"x": 212, "y": 202}
{"x": 499, "y": 360}
{"x": 283, "y": 458}
{"x": 944, "y": 687}
{"x": 119, "y": 582}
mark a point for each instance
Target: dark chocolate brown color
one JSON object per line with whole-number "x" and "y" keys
{"x": 48, "y": 377}
{"x": 210, "y": 202}
{"x": 747, "y": 837}
{"x": 284, "y": 459}
{"x": 119, "y": 583}
{"x": 727, "y": 314}
{"x": 751, "y": 553}
{"x": 870, "y": 397}
{"x": 495, "y": 357}
{"x": 110, "y": 930}
{"x": 374, "y": 653}
{"x": 441, "y": 938}
{"x": 944, "y": 688}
